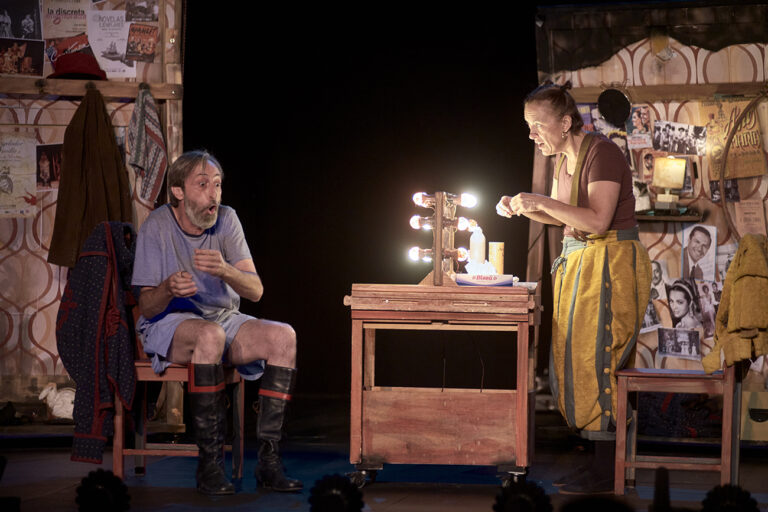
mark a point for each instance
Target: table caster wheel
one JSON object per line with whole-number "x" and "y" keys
{"x": 361, "y": 476}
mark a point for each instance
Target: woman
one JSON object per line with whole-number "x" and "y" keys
{"x": 638, "y": 123}
{"x": 681, "y": 305}
{"x": 602, "y": 277}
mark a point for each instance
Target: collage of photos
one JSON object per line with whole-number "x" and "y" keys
{"x": 682, "y": 310}
{"x": 665, "y": 156}
{"x": 33, "y": 31}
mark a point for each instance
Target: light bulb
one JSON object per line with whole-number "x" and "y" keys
{"x": 468, "y": 200}
{"x": 418, "y": 222}
{"x": 464, "y": 224}
{"x": 462, "y": 253}
{"x": 413, "y": 253}
{"x": 420, "y": 199}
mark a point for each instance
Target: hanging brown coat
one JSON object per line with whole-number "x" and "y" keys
{"x": 94, "y": 183}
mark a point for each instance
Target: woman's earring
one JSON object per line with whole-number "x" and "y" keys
{"x": 565, "y": 134}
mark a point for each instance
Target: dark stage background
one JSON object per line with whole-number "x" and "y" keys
{"x": 326, "y": 123}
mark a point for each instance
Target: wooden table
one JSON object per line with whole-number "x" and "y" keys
{"x": 407, "y": 425}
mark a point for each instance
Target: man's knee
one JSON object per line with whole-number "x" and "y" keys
{"x": 210, "y": 339}
{"x": 286, "y": 341}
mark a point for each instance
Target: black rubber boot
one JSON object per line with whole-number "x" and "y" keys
{"x": 276, "y": 387}
{"x": 208, "y": 408}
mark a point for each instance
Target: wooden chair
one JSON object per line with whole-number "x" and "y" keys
{"x": 723, "y": 383}
{"x": 174, "y": 373}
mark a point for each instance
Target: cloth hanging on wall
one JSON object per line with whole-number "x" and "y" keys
{"x": 94, "y": 183}
{"x": 145, "y": 138}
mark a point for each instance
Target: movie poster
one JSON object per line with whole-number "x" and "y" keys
{"x": 64, "y": 18}
{"x": 18, "y": 190}
{"x": 108, "y": 35}
{"x": 746, "y": 157}
{"x": 142, "y": 42}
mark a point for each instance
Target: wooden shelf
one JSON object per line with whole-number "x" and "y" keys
{"x": 63, "y": 87}
{"x": 669, "y": 218}
{"x": 671, "y": 92}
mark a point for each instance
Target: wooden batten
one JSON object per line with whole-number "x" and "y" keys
{"x": 64, "y": 87}
{"x": 672, "y": 92}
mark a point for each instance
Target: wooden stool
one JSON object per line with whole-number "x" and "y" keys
{"x": 679, "y": 381}
{"x": 175, "y": 373}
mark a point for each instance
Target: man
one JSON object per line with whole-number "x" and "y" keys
{"x": 656, "y": 279}
{"x": 193, "y": 265}
{"x": 699, "y": 241}
{"x": 680, "y": 144}
{"x": 648, "y": 163}
{"x": 666, "y": 138}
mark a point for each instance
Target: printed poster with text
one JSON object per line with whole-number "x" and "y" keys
{"x": 745, "y": 156}
{"x": 64, "y": 18}
{"x": 18, "y": 189}
{"x": 108, "y": 34}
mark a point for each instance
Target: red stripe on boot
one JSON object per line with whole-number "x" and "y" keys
{"x": 275, "y": 394}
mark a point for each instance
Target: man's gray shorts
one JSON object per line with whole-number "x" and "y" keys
{"x": 157, "y": 337}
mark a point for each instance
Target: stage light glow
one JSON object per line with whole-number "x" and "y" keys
{"x": 416, "y": 253}
{"x": 468, "y": 200}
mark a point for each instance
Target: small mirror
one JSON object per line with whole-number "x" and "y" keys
{"x": 614, "y": 106}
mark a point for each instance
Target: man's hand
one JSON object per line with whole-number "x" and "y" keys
{"x": 210, "y": 261}
{"x": 241, "y": 276}
{"x": 180, "y": 284}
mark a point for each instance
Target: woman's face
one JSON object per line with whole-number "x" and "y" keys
{"x": 637, "y": 120}
{"x": 546, "y": 128}
{"x": 678, "y": 303}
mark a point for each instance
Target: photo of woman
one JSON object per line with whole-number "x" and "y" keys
{"x": 682, "y": 305}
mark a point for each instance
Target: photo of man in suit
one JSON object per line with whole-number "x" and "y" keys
{"x": 698, "y": 244}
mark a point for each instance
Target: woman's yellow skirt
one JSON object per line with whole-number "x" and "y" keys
{"x": 602, "y": 288}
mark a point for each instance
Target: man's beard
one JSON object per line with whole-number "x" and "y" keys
{"x": 200, "y": 217}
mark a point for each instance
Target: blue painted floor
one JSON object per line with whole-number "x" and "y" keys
{"x": 317, "y": 445}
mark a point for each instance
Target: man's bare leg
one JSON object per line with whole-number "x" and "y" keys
{"x": 201, "y": 344}
{"x": 275, "y": 343}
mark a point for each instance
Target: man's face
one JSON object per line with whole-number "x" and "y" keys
{"x": 202, "y": 195}
{"x": 648, "y": 162}
{"x": 656, "y": 273}
{"x": 698, "y": 245}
